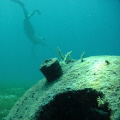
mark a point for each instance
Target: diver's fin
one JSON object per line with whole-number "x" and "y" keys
{"x": 19, "y": 2}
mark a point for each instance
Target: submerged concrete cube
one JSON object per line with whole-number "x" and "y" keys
{"x": 51, "y": 69}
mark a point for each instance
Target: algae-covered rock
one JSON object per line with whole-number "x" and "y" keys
{"x": 88, "y": 90}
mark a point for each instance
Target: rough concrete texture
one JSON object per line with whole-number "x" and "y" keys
{"x": 101, "y": 73}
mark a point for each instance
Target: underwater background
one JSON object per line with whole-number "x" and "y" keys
{"x": 92, "y": 26}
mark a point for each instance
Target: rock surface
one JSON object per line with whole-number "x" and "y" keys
{"x": 99, "y": 73}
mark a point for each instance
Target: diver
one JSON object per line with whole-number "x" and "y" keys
{"x": 28, "y": 28}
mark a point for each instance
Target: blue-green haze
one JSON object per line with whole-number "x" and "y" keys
{"x": 92, "y": 26}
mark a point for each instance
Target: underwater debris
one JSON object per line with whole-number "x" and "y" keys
{"x": 82, "y": 56}
{"x": 65, "y": 59}
{"x": 101, "y": 101}
{"x": 107, "y": 62}
{"x": 60, "y": 53}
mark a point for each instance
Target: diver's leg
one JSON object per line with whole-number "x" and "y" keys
{"x": 19, "y": 2}
{"x": 22, "y": 5}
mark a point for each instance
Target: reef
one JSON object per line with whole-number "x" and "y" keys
{"x": 85, "y": 89}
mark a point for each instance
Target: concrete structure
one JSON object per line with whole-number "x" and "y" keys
{"x": 87, "y": 90}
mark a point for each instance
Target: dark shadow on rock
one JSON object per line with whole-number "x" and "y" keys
{"x": 75, "y": 105}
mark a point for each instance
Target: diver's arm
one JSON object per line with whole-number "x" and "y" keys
{"x": 32, "y": 13}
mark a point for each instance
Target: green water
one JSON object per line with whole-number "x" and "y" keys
{"x": 9, "y": 95}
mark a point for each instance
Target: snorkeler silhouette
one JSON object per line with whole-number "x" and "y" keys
{"x": 28, "y": 28}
